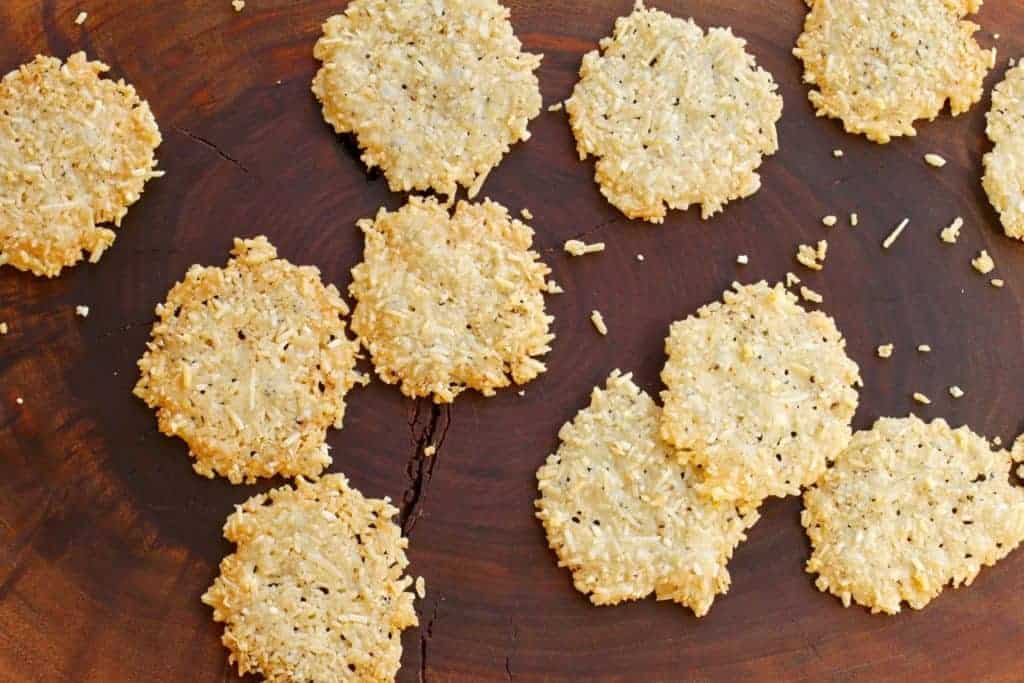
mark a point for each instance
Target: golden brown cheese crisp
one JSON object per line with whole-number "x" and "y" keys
{"x": 75, "y": 153}
{"x": 674, "y": 115}
{"x": 435, "y": 92}
{"x": 447, "y": 302}
{"x": 880, "y": 65}
{"x": 1004, "y": 165}
{"x": 907, "y": 508}
{"x": 315, "y": 590}
{"x": 760, "y": 394}
{"x": 625, "y": 517}
{"x": 249, "y": 364}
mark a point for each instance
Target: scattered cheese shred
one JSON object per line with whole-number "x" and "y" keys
{"x": 579, "y": 248}
{"x": 894, "y": 235}
{"x": 429, "y": 451}
{"x": 239, "y": 5}
{"x": 809, "y": 294}
{"x": 743, "y": 259}
{"x": 421, "y": 587}
{"x": 557, "y": 106}
{"x": 553, "y": 287}
{"x": 20, "y": 401}
{"x": 885, "y": 351}
{"x": 921, "y": 398}
{"x": 792, "y": 279}
{"x": 951, "y": 233}
{"x": 812, "y": 257}
{"x": 80, "y": 19}
{"x": 3, "y": 328}
{"x": 934, "y": 160}
{"x": 598, "y": 320}
{"x": 82, "y": 311}
{"x": 829, "y": 221}
{"x": 956, "y": 392}
{"x": 997, "y": 282}
{"x": 854, "y": 219}
{"x": 924, "y": 348}
{"x": 983, "y": 263}
{"x": 837, "y": 153}
{"x": 526, "y": 213}
{"x": 639, "y": 257}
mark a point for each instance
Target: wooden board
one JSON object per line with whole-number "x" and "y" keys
{"x": 107, "y": 538}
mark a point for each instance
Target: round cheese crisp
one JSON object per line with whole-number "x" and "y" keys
{"x": 907, "y": 508}
{"x": 75, "y": 153}
{"x": 759, "y": 394}
{"x": 435, "y": 92}
{"x": 250, "y": 364}
{"x": 315, "y": 590}
{"x": 447, "y": 302}
{"x": 880, "y": 65}
{"x": 674, "y": 115}
{"x": 1004, "y": 165}
{"x": 624, "y": 516}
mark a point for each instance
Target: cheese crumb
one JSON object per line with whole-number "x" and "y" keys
{"x": 82, "y": 311}
{"x": 579, "y": 248}
{"x": 557, "y": 106}
{"x": 527, "y": 214}
{"x": 951, "y": 233}
{"x": 956, "y": 392}
{"x": 743, "y": 259}
{"x": 80, "y": 19}
{"x": 829, "y": 221}
{"x": 421, "y": 587}
{"x": 20, "y": 401}
{"x": 812, "y": 257}
{"x": 921, "y": 398}
{"x": 983, "y": 263}
{"x": 934, "y": 160}
{"x": 997, "y": 282}
{"x": 3, "y": 328}
{"x": 522, "y": 392}
{"x": 239, "y": 5}
{"x": 430, "y": 450}
{"x": 639, "y": 257}
{"x": 554, "y": 288}
{"x": 837, "y": 153}
{"x": 792, "y": 279}
{"x": 809, "y": 294}
{"x": 895, "y": 233}
{"x": 885, "y": 351}
{"x": 924, "y": 348}
{"x": 598, "y": 320}
{"x": 854, "y": 219}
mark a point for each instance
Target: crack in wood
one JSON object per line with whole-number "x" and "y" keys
{"x": 211, "y": 145}
{"x": 426, "y": 633}
{"x": 420, "y": 466}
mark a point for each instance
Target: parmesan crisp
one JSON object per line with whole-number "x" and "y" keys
{"x": 625, "y": 517}
{"x": 674, "y": 115}
{"x": 75, "y": 153}
{"x": 1004, "y": 165}
{"x": 760, "y": 394}
{"x": 435, "y": 92}
{"x": 450, "y": 302}
{"x": 315, "y": 590}
{"x": 880, "y": 65}
{"x": 250, "y": 364}
{"x": 907, "y": 508}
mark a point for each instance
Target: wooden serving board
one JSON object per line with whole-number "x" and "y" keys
{"x": 107, "y": 537}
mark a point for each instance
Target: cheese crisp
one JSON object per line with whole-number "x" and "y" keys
{"x": 880, "y": 65}
{"x": 250, "y": 364}
{"x": 760, "y": 394}
{"x": 75, "y": 153}
{"x": 674, "y": 115}
{"x": 623, "y": 515}
{"x": 1004, "y": 165}
{"x": 315, "y": 590}
{"x": 435, "y": 92}
{"x": 449, "y": 302}
{"x": 907, "y": 508}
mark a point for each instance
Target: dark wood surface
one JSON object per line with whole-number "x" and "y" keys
{"x": 107, "y": 537}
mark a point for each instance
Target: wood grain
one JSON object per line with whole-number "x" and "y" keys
{"x": 107, "y": 538}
